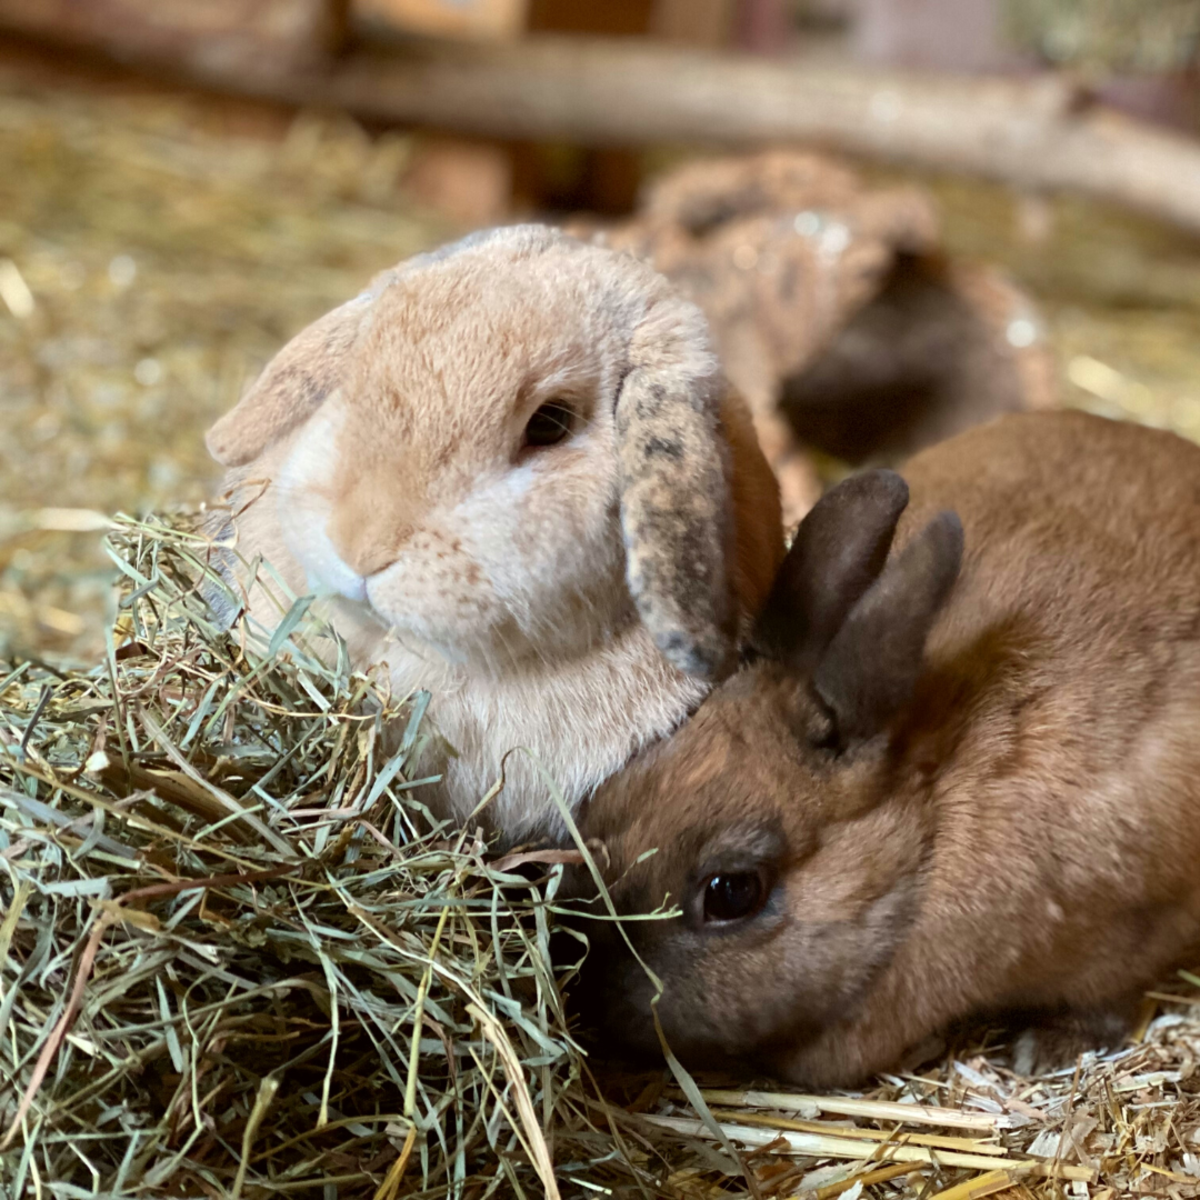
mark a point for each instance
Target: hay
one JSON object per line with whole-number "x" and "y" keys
{"x": 236, "y": 959}
{"x": 241, "y": 960}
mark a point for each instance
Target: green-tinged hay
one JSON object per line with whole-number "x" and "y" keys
{"x": 238, "y": 957}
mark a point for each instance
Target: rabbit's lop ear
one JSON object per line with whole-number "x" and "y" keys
{"x": 871, "y": 666}
{"x": 292, "y": 386}
{"x": 675, "y": 504}
{"x": 838, "y": 552}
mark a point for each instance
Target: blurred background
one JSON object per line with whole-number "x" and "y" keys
{"x": 185, "y": 183}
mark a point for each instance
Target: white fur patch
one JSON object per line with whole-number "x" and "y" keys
{"x": 304, "y": 511}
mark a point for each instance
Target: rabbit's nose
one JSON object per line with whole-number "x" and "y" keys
{"x": 372, "y": 557}
{"x": 368, "y": 543}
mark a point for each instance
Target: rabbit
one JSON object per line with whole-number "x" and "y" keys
{"x": 833, "y": 310}
{"x": 957, "y": 777}
{"x": 513, "y": 468}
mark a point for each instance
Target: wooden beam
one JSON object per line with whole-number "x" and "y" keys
{"x": 1035, "y": 134}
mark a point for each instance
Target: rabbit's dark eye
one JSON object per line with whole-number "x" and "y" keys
{"x": 734, "y": 895}
{"x": 550, "y": 424}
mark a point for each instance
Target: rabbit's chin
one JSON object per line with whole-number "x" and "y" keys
{"x": 413, "y": 661}
{"x": 430, "y": 651}
{"x": 494, "y": 643}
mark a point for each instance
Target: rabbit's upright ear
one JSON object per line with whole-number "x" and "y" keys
{"x": 291, "y": 388}
{"x": 838, "y": 552}
{"x": 870, "y": 669}
{"x": 675, "y": 502}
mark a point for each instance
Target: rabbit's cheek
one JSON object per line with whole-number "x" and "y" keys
{"x": 305, "y": 509}
{"x": 324, "y": 568}
{"x": 536, "y": 526}
{"x": 304, "y": 520}
{"x": 436, "y": 592}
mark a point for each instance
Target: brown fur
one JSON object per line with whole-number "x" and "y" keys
{"x": 1008, "y": 822}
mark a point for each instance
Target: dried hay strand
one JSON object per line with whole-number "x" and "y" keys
{"x": 239, "y": 959}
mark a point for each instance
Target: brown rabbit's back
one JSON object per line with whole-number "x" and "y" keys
{"x": 1062, "y": 696}
{"x": 1082, "y": 542}
{"x": 1070, "y": 471}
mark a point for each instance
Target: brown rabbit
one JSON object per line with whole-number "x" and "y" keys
{"x": 934, "y": 793}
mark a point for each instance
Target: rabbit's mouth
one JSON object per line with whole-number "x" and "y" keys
{"x": 328, "y": 574}
{"x": 427, "y": 602}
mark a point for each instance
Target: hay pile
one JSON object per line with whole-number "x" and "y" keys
{"x": 239, "y": 960}
{"x": 235, "y": 962}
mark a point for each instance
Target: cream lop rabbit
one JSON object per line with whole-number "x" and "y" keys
{"x": 514, "y": 469}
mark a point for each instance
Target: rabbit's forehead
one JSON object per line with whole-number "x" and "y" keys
{"x": 682, "y": 794}
{"x": 485, "y": 337}
{"x": 542, "y": 295}
{"x": 712, "y": 785}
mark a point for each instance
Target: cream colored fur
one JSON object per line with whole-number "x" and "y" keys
{"x": 575, "y": 601}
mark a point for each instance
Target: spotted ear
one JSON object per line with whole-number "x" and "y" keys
{"x": 292, "y": 387}
{"x": 675, "y": 502}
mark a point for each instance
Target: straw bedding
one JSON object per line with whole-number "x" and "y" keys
{"x": 239, "y": 959}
